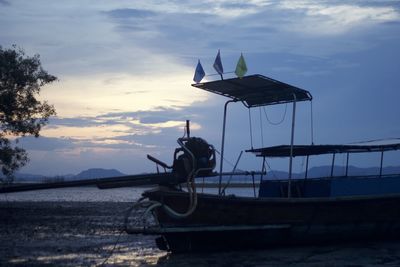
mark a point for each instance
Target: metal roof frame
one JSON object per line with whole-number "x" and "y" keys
{"x": 256, "y": 90}
{"x": 310, "y": 150}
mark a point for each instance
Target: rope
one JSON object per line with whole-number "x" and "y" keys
{"x": 217, "y": 74}
{"x": 184, "y": 131}
{"x": 224, "y": 159}
{"x": 276, "y": 123}
{"x": 230, "y": 177}
{"x": 269, "y": 167}
{"x": 112, "y": 250}
{"x": 124, "y": 229}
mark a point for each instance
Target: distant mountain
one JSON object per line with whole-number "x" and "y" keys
{"x": 98, "y": 173}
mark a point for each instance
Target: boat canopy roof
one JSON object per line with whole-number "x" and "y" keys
{"x": 309, "y": 150}
{"x": 256, "y": 90}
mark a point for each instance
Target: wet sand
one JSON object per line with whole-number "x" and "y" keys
{"x": 67, "y": 233}
{"x": 70, "y": 234}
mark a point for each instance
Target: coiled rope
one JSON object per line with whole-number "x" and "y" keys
{"x": 280, "y": 121}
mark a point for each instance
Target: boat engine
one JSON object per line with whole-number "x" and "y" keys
{"x": 194, "y": 157}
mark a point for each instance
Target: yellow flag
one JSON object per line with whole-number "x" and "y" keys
{"x": 241, "y": 67}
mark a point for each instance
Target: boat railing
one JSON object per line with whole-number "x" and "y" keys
{"x": 322, "y": 186}
{"x": 327, "y": 177}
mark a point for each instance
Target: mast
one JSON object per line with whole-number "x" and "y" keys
{"x": 291, "y": 147}
{"x": 222, "y": 147}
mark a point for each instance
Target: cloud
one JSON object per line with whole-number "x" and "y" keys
{"x": 5, "y": 3}
{"x": 124, "y": 130}
{"x": 76, "y": 121}
{"x": 335, "y": 17}
{"x": 43, "y": 143}
{"x": 125, "y": 69}
{"x": 102, "y": 140}
{"x": 92, "y": 95}
{"x": 253, "y": 27}
{"x": 128, "y": 13}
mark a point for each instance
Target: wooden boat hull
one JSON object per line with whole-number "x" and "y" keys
{"x": 226, "y": 223}
{"x": 225, "y": 240}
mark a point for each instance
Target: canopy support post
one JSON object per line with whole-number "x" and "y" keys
{"x": 380, "y": 170}
{"x": 263, "y": 170}
{"x": 306, "y": 174}
{"x": 222, "y": 147}
{"x": 347, "y": 164}
{"x": 291, "y": 147}
{"x": 333, "y": 164}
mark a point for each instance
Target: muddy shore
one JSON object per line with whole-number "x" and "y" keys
{"x": 65, "y": 233}
{"x": 70, "y": 234}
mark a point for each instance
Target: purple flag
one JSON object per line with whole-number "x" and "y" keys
{"x": 218, "y": 64}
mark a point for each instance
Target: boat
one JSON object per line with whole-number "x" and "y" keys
{"x": 287, "y": 211}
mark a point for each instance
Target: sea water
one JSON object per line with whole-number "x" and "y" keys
{"x": 93, "y": 194}
{"x": 80, "y": 194}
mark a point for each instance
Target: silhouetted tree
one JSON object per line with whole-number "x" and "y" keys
{"x": 21, "y": 114}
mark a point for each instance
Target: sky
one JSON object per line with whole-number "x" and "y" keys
{"x": 125, "y": 70}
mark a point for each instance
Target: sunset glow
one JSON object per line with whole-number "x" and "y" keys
{"x": 125, "y": 70}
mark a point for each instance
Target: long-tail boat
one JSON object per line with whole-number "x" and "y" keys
{"x": 287, "y": 211}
